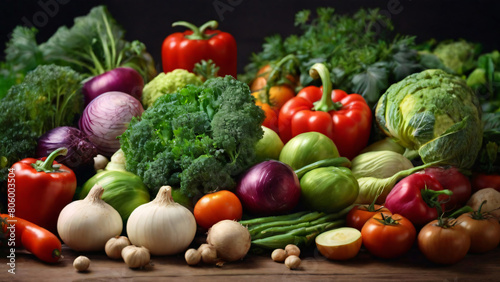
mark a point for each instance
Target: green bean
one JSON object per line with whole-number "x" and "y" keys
{"x": 301, "y": 236}
{"x": 339, "y": 161}
{"x": 260, "y": 220}
{"x": 305, "y": 218}
{"x": 279, "y": 241}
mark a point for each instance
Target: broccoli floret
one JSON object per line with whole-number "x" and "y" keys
{"x": 199, "y": 138}
{"x": 167, "y": 83}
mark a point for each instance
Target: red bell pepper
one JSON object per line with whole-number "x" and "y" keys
{"x": 346, "y": 119}
{"x": 42, "y": 189}
{"x": 418, "y": 197}
{"x": 182, "y": 50}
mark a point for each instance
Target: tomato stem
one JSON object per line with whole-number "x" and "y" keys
{"x": 275, "y": 70}
{"x": 48, "y": 165}
{"x": 198, "y": 32}
{"x": 460, "y": 211}
{"x": 478, "y": 215}
{"x": 387, "y": 220}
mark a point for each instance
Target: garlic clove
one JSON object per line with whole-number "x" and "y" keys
{"x": 115, "y": 245}
{"x": 81, "y": 263}
{"x": 136, "y": 257}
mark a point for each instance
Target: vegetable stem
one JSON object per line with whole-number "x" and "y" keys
{"x": 198, "y": 32}
{"x": 340, "y": 161}
{"x": 326, "y": 104}
{"x": 48, "y": 165}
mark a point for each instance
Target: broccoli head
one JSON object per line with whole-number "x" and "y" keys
{"x": 199, "y": 138}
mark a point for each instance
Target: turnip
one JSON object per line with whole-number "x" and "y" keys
{"x": 231, "y": 240}
{"x": 492, "y": 204}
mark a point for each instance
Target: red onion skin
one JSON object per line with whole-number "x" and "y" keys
{"x": 81, "y": 151}
{"x": 269, "y": 188}
{"x": 107, "y": 117}
{"x": 123, "y": 79}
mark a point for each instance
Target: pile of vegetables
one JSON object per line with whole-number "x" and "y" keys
{"x": 275, "y": 164}
{"x": 361, "y": 59}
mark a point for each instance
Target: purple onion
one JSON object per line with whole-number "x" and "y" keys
{"x": 269, "y": 188}
{"x": 123, "y": 79}
{"x": 81, "y": 151}
{"x": 107, "y": 117}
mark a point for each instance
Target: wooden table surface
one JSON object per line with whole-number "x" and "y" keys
{"x": 364, "y": 267}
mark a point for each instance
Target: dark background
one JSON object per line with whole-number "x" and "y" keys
{"x": 251, "y": 20}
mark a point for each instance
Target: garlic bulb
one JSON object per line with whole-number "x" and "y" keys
{"x": 115, "y": 245}
{"x": 86, "y": 225}
{"x": 163, "y": 226}
{"x": 135, "y": 257}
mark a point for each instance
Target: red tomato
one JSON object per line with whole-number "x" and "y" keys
{"x": 388, "y": 235}
{"x": 481, "y": 181}
{"x": 483, "y": 229}
{"x": 358, "y": 215}
{"x": 217, "y": 206}
{"x": 443, "y": 245}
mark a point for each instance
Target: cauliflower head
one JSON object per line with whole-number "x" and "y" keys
{"x": 167, "y": 83}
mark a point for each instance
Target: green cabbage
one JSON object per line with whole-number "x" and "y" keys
{"x": 434, "y": 113}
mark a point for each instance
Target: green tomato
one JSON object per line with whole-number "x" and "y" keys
{"x": 329, "y": 189}
{"x": 307, "y": 148}
{"x": 182, "y": 199}
{"x": 123, "y": 190}
{"x": 269, "y": 146}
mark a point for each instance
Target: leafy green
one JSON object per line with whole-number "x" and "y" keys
{"x": 48, "y": 97}
{"x": 361, "y": 54}
{"x": 435, "y": 113}
{"x": 485, "y": 80}
{"x": 93, "y": 45}
{"x": 198, "y": 138}
{"x": 488, "y": 160}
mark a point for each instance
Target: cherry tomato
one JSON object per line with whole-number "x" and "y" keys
{"x": 388, "y": 235}
{"x": 271, "y": 120}
{"x": 446, "y": 244}
{"x": 358, "y": 215}
{"x": 483, "y": 229}
{"x": 217, "y": 206}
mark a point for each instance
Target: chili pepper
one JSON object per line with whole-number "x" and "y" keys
{"x": 182, "y": 50}
{"x": 344, "y": 118}
{"x": 418, "y": 197}
{"x": 35, "y": 239}
{"x": 42, "y": 189}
